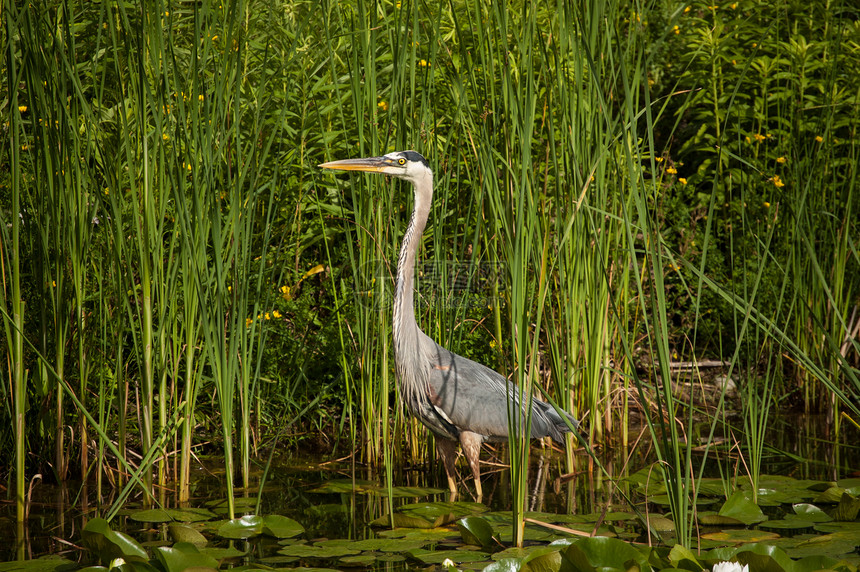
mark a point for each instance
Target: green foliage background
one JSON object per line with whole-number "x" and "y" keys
{"x": 129, "y": 125}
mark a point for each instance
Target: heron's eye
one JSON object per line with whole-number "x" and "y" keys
{"x": 401, "y": 161}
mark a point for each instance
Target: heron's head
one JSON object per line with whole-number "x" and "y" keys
{"x": 407, "y": 165}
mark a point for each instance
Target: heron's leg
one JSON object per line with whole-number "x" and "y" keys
{"x": 471, "y": 443}
{"x": 447, "y": 450}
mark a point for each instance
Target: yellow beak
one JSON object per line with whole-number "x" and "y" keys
{"x": 370, "y": 164}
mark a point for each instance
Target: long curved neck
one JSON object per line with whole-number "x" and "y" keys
{"x": 405, "y": 326}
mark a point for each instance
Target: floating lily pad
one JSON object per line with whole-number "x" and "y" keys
{"x": 829, "y": 544}
{"x": 108, "y": 544}
{"x": 740, "y": 507}
{"x": 358, "y": 560}
{"x": 661, "y": 523}
{"x": 281, "y": 526}
{"x": 831, "y": 495}
{"x": 43, "y": 564}
{"x": 683, "y": 558}
{"x": 222, "y": 553}
{"x": 853, "y": 527}
{"x": 811, "y": 513}
{"x": 763, "y": 557}
{"x": 244, "y": 527}
{"x": 476, "y": 530}
{"x": 428, "y": 535}
{"x": 306, "y": 551}
{"x": 599, "y": 553}
{"x": 184, "y": 533}
{"x": 847, "y": 509}
{"x": 710, "y": 518}
{"x": 346, "y": 486}
{"x": 402, "y": 520}
{"x": 190, "y": 514}
{"x": 773, "y": 497}
{"x": 378, "y": 544}
{"x": 153, "y": 515}
{"x": 787, "y": 524}
{"x": 736, "y": 536}
{"x": 181, "y": 556}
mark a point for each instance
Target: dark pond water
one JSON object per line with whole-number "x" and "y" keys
{"x": 801, "y": 448}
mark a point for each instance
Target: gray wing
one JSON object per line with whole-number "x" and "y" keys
{"x": 472, "y": 397}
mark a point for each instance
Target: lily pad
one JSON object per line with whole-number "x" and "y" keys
{"x": 153, "y": 515}
{"x": 346, "y": 486}
{"x": 740, "y": 507}
{"x": 219, "y": 553}
{"x": 184, "y": 533}
{"x": 788, "y": 524}
{"x": 850, "y": 527}
{"x": 181, "y": 556}
{"x": 811, "y": 513}
{"x": 831, "y": 495}
{"x": 109, "y": 544}
{"x": 190, "y": 514}
{"x": 44, "y": 564}
{"x": 358, "y": 560}
{"x": 306, "y": 551}
{"x": 377, "y": 544}
{"x": 427, "y": 535}
{"x": 711, "y": 518}
{"x": 600, "y": 553}
{"x": 737, "y": 536}
{"x": 239, "y": 528}
{"x": 683, "y": 558}
{"x": 830, "y": 544}
{"x": 847, "y": 509}
{"x": 476, "y": 530}
{"x": 281, "y": 526}
{"x": 762, "y": 557}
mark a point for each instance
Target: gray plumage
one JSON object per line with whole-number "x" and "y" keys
{"x": 456, "y": 398}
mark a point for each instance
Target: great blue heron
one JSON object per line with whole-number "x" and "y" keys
{"x": 456, "y": 398}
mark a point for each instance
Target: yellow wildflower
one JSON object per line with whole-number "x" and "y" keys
{"x": 248, "y": 322}
{"x": 165, "y": 136}
{"x": 777, "y": 182}
{"x": 276, "y": 314}
{"x": 759, "y": 137}
{"x": 383, "y": 105}
{"x": 686, "y": 9}
{"x": 200, "y": 97}
{"x": 676, "y": 29}
{"x": 658, "y": 159}
{"x": 423, "y": 63}
{"x": 747, "y": 139}
{"x": 671, "y": 170}
{"x": 22, "y": 108}
{"x": 780, "y": 160}
{"x": 734, "y": 5}
{"x": 267, "y": 316}
{"x": 766, "y": 204}
{"x": 819, "y": 138}
{"x": 682, "y": 180}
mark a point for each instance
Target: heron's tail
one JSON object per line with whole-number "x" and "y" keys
{"x": 551, "y": 422}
